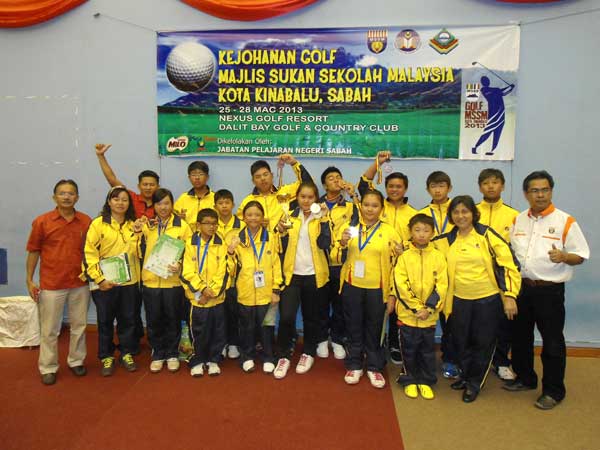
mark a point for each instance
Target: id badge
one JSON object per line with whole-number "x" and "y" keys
{"x": 259, "y": 279}
{"x": 359, "y": 269}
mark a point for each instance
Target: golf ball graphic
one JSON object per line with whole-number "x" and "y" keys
{"x": 190, "y": 66}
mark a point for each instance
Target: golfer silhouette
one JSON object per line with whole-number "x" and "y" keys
{"x": 495, "y": 122}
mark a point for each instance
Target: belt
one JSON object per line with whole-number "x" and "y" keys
{"x": 538, "y": 283}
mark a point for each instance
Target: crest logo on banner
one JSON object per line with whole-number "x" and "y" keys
{"x": 473, "y": 91}
{"x": 377, "y": 40}
{"x": 443, "y": 42}
{"x": 408, "y": 41}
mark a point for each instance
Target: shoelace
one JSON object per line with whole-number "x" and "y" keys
{"x": 303, "y": 360}
{"x": 378, "y": 377}
{"x": 128, "y": 359}
{"x": 107, "y": 362}
{"x": 282, "y": 364}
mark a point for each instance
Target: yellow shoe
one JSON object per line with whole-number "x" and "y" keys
{"x": 411, "y": 391}
{"x": 426, "y": 392}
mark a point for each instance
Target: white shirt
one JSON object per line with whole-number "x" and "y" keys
{"x": 303, "y": 263}
{"x": 532, "y": 238}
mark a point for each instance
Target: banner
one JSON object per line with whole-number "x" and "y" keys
{"x": 419, "y": 92}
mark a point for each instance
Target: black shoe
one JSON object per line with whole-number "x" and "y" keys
{"x": 49, "y": 379}
{"x": 395, "y": 356}
{"x": 469, "y": 395}
{"x": 517, "y": 386}
{"x": 78, "y": 371}
{"x": 546, "y": 402}
{"x": 459, "y": 385}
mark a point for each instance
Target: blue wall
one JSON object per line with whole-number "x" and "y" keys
{"x": 79, "y": 80}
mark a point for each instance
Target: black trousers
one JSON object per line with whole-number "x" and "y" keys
{"x": 250, "y": 320}
{"x": 163, "y": 320}
{"x": 116, "y": 303}
{"x": 543, "y": 306}
{"x": 364, "y": 313}
{"x": 303, "y": 292}
{"x": 208, "y": 334}
{"x": 504, "y": 342}
{"x": 474, "y": 330}
{"x": 418, "y": 353}
{"x": 332, "y": 311}
{"x": 231, "y": 317}
{"x": 447, "y": 342}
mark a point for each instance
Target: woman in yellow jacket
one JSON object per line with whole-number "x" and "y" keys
{"x": 205, "y": 278}
{"x": 484, "y": 280}
{"x": 113, "y": 234}
{"x": 419, "y": 285}
{"x": 306, "y": 272}
{"x": 259, "y": 282}
{"x": 163, "y": 297}
{"x": 368, "y": 250}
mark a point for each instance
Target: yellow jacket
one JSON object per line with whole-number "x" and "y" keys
{"x": 190, "y": 204}
{"x": 246, "y": 265}
{"x": 507, "y": 279}
{"x": 499, "y": 216}
{"x": 386, "y": 235}
{"x": 273, "y": 211}
{"x": 176, "y": 228}
{"x": 214, "y": 273}
{"x": 420, "y": 281}
{"x": 320, "y": 242}
{"x": 439, "y": 213}
{"x": 105, "y": 238}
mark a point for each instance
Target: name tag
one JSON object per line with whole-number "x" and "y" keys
{"x": 359, "y": 269}
{"x": 259, "y": 279}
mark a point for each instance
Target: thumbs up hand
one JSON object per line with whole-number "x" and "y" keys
{"x": 557, "y": 255}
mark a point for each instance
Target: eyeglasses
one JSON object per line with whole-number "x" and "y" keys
{"x": 197, "y": 175}
{"x": 536, "y": 191}
{"x": 209, "y": 224}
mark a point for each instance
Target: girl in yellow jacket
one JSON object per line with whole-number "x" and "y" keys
{"x": 419, "y": 285}
{"x": 258, "y": 282}
{"x": 484, "y": 280}
{"x": 113, "y": 234}
{"x": 163, "y": 297}
{"x": 368, "y": 249}
{"x": 205, "y": 277}
{"x": 304, "y": 246}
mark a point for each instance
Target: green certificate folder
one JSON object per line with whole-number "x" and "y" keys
{"x": 167, "y": 251}
{"x": 115, "y": 269}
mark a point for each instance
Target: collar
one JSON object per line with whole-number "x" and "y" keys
{"x": 444, "y": 205}
{"x": 549, "y": 210}
{"x": 497, "y": 205}
{"x": 429, "y": 247}
{"x": 243, "y": 235}
{"x": 192, "y": 193}
{"x": 55, "y": 215}
{"x": 236, "y": 222}
{"x": 273, "y": 190}
{"x": 216, "y": 239}
{"x": 341, "y": 200}
{"x": 391, "y": 205}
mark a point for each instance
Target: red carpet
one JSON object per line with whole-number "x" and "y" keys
{"x": 140, "y": 410}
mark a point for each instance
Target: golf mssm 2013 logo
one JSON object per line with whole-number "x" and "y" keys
{"x": 377, "y": 40}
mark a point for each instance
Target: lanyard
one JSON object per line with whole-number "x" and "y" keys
{"x": 162, "y": 226}
{"x": 201, "y": 264}
{"x": 262, "y": 245}
{"x": 437, "y": 228}
{"x": 362, "y": 246}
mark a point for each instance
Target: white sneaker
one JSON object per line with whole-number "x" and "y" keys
{"x": 282, "y": 368}
{"x": 233, "y": 352}
{"x": 173, "y": 364}
{"x": 197, "y": 370}
{"x": 339, "y": 352}
{"x": 376, "y": 379}
{"x": 213, "y": 369}
{"x": 353, "y": 376}
{"x": 305, "y": 363}
{"x": 505, "y": 373}
{"x": 248, "y": 366}
{"x": 268, "y": 367}
{"x": 323, "y": 349}
{"x": 224, "y": 352}
{"x": 157, "y": 365}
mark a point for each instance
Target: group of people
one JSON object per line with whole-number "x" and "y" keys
{"x": 358, "y": 264}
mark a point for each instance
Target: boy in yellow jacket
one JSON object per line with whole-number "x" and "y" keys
{"x": 419, "y": 286}
{"x": 205, "y": 277}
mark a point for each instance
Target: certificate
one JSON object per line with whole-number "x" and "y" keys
{"x": 167, "y": 251}
{"x": 115, "y": 269}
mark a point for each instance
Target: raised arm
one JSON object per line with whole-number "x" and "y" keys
{"x": 107, "y": 171}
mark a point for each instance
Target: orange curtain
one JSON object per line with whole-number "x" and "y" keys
{"x": 23, "y": 13}
{"x": 247, "y": 10}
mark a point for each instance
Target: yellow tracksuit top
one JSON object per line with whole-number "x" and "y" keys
{"x": 319, "y": 233}
{"x": 273, "y": 211}
{"x": 439, "y": 213}
{"x": 499, "y": 216}
{"x": 396, "y": 216}
{"x": 232, "y": 226}
{"x": 176, "y": 228}
{"x": 377, "y": 256}
{"x": 105, "y": 238}
{"x": 246, "y": 264}
{"x": 339, "y": 216}
{"x": 214, "y": 274}
{"x": 191, "y": 204}
{"x": 420, "y": 281}
{"x": 509, "y": 278}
